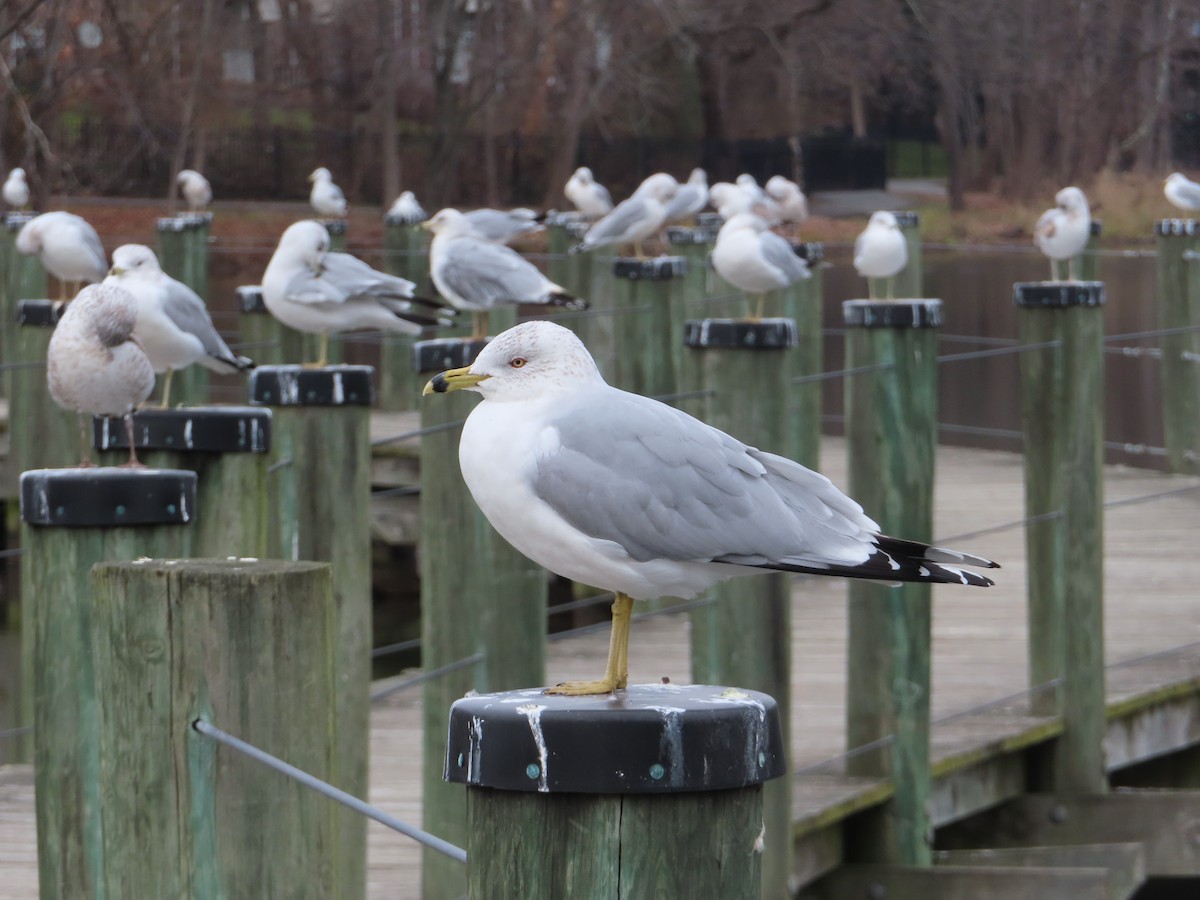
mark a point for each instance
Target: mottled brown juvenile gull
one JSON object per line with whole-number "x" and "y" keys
{"x": 67, "y": 246}
{"x": 94, "y": 363}
{"x": 619, "y": 491}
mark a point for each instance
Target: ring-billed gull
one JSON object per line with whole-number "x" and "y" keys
{"x": 476, "y": 274}
{"x": 173, "y": 325}
{"x": 792, "y": 204}
{"x": 16, "y": 189}
{"x": 754, "y": 259}
{"x": 195, "y": 189}
{"x": 94, "y": 363}
{"x": 880, "y": 251}
{"x": 503, "y": 226}
{"x": 67, "y": 246}
{"x": 1182, "y": 192}
{"x": 326, "y": 197}
{"x": 589, "y": 196}
{"x": 690, "y": 198}
{"x": 635, "y": 219}
{"x": 1063, "y": 232}
{"x": 310, "y": 289}
{"x": 625, "y": 493}
{"x": 731, "y": 199}
{"x": 406, "y": 209}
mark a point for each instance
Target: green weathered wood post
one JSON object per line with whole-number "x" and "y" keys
{"x": 227, "y": 447}
{"x": 572, "y": 270}
{"x": 245, "y": 645}
{"x": 13, "y": 269}
{"x": 803, "y": 303}
{"x": 73, "y": 519}
{"x": 479, "y": 596}
{"x": 745, "y": 637}
{"x": 183, "y": 254}
{"x": 1178, "y": 262}
{"x": 695, "y": 245}
{"x": 648, "y": 324}
{"x": 406, "y": 255}
{"x": 891, "y": 432}
{"x": 654, "y": 793}
{"x": 1062, "y": 409}
{"x": 910, "y": 281}
{"x": 264, "y": 338}
{"x": 320, "y": 500}
{"x": 1089, "y": 259}
{"x": 337, "y": 234}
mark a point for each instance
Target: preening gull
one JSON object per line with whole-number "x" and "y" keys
{"x": 195, "y": 189}
{"x": 619, "y": 491}
{"x": 790, "y": 200}
{"x": 16, "y": 190}
{"x": 173, "y": 324}
{"x": 94, "y": 363}
{"x": 68, "y": 247}
{"x": 310, "y": 289}
{"x": 407, "y": 209}
{"x": 476, "y": 274}
{"x": 1179, "y": 189}
{"x": 503, "y": 226}
{"x": 326, "y": 197}
{"x": 880, "y": 251}
{"x": 635, "y": 219}
{"x": 1063, "y": 232}
{"x": 730, "y": 199}
{"x": 690, "y": 198}
{"x": 589, "y": 196}
{"x": 754, "y": 259}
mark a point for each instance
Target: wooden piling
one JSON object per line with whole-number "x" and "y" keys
{"x": 658, "y": 795}
{"x": 73, "y": 519}
{"x": 744, "y": 637}
{"x": 227, "y": 447}
{"x": 406, "y": 255}
{"x": 183, "y": 254}
{"x": 249, "y": 646}
{"x": 1178, "y": 263}
{"x": 803, "y": 303}
{"x": 264, "y": 338}
{"x": 891, "y": 432}
{"x": 337, "y": 234}
{"x": 648, "y": 324}
{"x": 478, "y": 596}
{"x": 15, "y": 269}
{"x": 910, "y": 281}
{"x": 1062, "y": 395}
{"x": 320, "y": 500}
{"x": 695, "y": 245}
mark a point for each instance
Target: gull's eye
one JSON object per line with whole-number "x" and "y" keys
{"x": 517, "y": 362}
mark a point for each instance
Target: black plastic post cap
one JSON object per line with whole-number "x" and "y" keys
{"x": 1176, "y": 227}
{"x": 39, "y": 313}
{"x": 199, "y": 429}
{"x": 679, "y": 234}
{"x": 907, "y": 218}
{"x": 1058, "y": 294}
{"x": 107, "y": 497}
{"x": 298, "y": 386}
{"x": 812, "y": 252}
{"x": 648, "y": 739}
{"x": 334, "y": 226}
{"x": 183, "y": 222}
{"x": 660, "y": 268}
{"x": 923, "y": 313}
{"x": 445, "y": 353}
{"x": 250, "y": 299}
{"x": 15, "y": 221}
{"x": 740, "y": 334}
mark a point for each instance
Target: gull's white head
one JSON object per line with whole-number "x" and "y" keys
{"x": 186, "y": 175}
{"x": 698, "y": 176}
{"x": 584, "y": 174}
{"x": 532, "y": 360}
{"x": 321, "y": 174}
{"x": 883, "y": 219}
{"x": 17, "y": 174}
{"x": 660, "y": 186}
{"x": 747, "y": 181}
{"x": 745, "y": 221}
{"x": 134, "y": 259}
{"x": 449, "y": 222}
{"x": 306, "y": 241}
{"x": 1072, "y": 200}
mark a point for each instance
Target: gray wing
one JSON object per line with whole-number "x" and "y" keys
{"x": 350, "y": 277}
{"x": 780, "y": 254}
{"x": 1188, "y": 193}
{"x": 613, "y": 226}
{"x": 603, "y": 194}
{"x": 184, "y": 307}
{"x": 663, "y": 485}
{"x": 688, "y": 199}
{"x": 484, "y": 274}
{"x": 503, "y": 225}
{"x": 95, "y": 249}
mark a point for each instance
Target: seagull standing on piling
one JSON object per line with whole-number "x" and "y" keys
{"x": 1182, "y": 192}
{"x": 195, "y": 189}
{"x": 880, "y": 251}
{"x": 173, "y": 324}
{"x": 406, "y": 209}
{"x": 476, "y": 275}
{"x": 635, "y": 219}
{"x": 326, "y": 197}
{"x": 68, "y": 248}
{"x": 16, "y": 190}
{"x": 754, "y": 259}
{"x": 623, "y": 492}
{"x": 1063, "y": 232}
{"x": 95, "y": 365}
{"x": 790, "y": 200}
{"x": 690, "y": 198}
{"x": 589, "y": 196}
{"x": 310, "y": 289}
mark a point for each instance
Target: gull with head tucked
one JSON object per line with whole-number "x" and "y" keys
{"x": 589, "y": 196}
{"x": 195, "y": 189}
{"x": 68, "y": 248}
{"x": 1063, "y": 232}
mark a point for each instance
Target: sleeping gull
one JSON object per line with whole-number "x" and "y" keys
{"x": 406, "y": 209}
{"x": 619, "y": 491}
{"x": 94, "y": 363}
{"x": 476, "y": 274}
{"x": 503, "y": 226}
{"x": 173, "y": 325}
{"x": 1063, "y": 232}
{"x": 195, "y": 189}
{"x": 690, "y": 198}
{"x": 792, "y": 204}
{"x": 754, "y": 259}
{"x": 635, "y": 219}
{"x": 326, "y": 197}
{"x": 310, "y": 289}
{"x": 590, "y": 198}
{"x": 1178, "y": 188}
{"x": 16, "y": 190}
{"x": 880, "y": 251}
{"x": 68, "y": 247}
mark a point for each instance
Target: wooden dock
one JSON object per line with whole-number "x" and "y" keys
{"x": 979, "y": 657}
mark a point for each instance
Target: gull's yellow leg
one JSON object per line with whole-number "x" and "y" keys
{"x": 891, "y": 286}
{"x": 762, "y": 306}
{"x": 870, "y": 288}
{"x": 166, "y": 397}
{"x": 322, "y": 357}
{"x": 637, "y": 250}
{"x": 616, "y": 673}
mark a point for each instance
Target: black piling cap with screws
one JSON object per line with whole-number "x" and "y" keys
{"x": 301, "y": 386}
{"x": 200, "y": 429}
{"x": 107, "y": 497}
